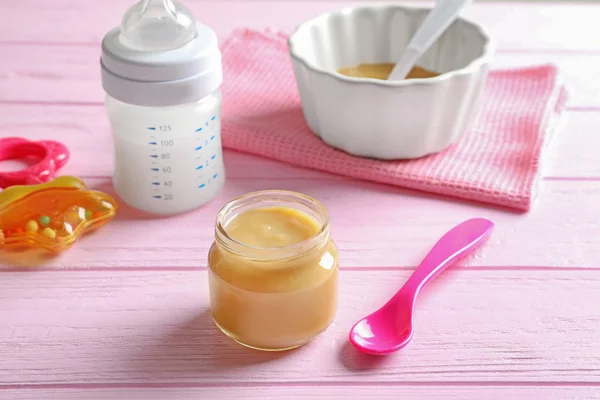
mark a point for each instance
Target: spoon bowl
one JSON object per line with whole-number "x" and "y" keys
{"x": 391, "y": 327}
{"x": 387, "y": 330}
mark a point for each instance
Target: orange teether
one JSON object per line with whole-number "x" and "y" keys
{"x": 51, "y": 215}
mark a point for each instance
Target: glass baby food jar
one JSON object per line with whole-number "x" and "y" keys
{"x": 161, "y": 71}
{"x": 279, "y": 293}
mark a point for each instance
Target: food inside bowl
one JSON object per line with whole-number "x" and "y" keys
{"x": 383, "y": 70}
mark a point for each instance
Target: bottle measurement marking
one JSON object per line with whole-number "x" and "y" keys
{"x": 205, "y": 163}
{"x": 160, "y": 163}
{"x": 209, "y": 181}
{"x": 166, "y": 156}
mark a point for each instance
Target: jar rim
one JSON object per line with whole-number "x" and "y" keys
{"x": 277, "y": 195}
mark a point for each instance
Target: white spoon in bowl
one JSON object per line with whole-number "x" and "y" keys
{"x": 436, "y": 22}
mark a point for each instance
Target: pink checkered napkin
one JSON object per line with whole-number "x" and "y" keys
{"x": 497, "y": 161}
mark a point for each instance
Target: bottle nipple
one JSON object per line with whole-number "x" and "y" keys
{"x": 157, "y": 25}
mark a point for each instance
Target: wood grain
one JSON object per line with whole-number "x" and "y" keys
{"x": 37, "y": 73}
{"x": 433, "y": 392}
{"x": 123, "y": 315}
{"x": 85, "y": 327}
{"x": 85, "y": 130}
{"x": 569, "y": 156}
{"x": 564, "y": 27}
{"x": 562, "y": 230}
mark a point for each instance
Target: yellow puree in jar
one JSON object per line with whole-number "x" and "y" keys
{"x": 272, "y": 227}
{"x": 269, "y": 303}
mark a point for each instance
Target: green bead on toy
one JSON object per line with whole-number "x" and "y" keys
{"x": 44, "y": 220}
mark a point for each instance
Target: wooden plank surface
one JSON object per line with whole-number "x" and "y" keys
{"x": 37, "y": 73}
{"x": 124, "y": 313}
{"x": 91, "y": 327}
{"x": 560, "y": 231}
{"x": 566, "y": 26}
{"x": 85, "y": 130}
{"x": 291, "y": 392}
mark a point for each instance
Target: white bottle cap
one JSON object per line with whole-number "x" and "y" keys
{"x": 160, "y": 56}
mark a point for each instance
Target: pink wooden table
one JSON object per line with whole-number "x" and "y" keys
{"x": 123, "y": 315}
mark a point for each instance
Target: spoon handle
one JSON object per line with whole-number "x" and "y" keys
{"x": 436, "y": 22}
{"x": 457, "y": 242}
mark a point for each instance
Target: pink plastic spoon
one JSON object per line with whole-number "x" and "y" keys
{"x": 391, "y": 327}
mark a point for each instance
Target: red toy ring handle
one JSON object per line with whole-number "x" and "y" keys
{"x": 52, "y": 156}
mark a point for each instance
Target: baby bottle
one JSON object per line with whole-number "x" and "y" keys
{"x": 161, "y": 72}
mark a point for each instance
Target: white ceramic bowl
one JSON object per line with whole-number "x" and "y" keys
{"x": 385, "y": 119}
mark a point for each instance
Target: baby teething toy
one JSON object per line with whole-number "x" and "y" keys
{"x": 51, "y": 215}
{"x": 52, "y": 156}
